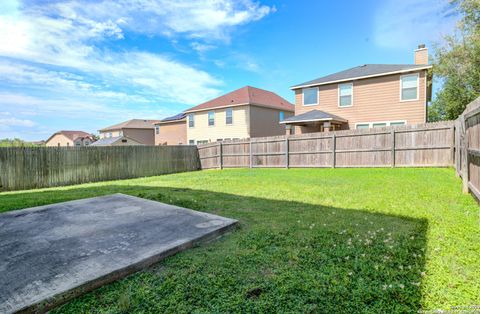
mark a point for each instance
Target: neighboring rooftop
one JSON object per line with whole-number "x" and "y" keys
{"x": 246, "y": 96}
{"x": 314, "y": 115}
{"x": 132, "y": 124}
{"x": 107, "y": 141}
{"x": 177, "y": 117}
{"x": 363, "y": 71}
{"x": 72, "y": 135}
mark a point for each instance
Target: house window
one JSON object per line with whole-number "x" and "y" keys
{"x": 229, "y": 116}
{"x": 219, "y": 140}
{"x": 281, "y": 116}
{"x": 211, "y": 118}
{"x": 397, "y": 123}
{"x": 310, "y": 96}
{"x": 157, "y": 129}
{"x": 110, "y": 134}
{"x": 120, "y": 133}
{"x": 363, "y": 125}
{"x": 191, "y": 120}
{"x": 379, "y": 125}
{"x": 345, "y": 93}
{"x": 191, "y": 142}
{"x": 409, "y": 87}
{"x": 77, "y": 143}
{"x": 202, "y": 142}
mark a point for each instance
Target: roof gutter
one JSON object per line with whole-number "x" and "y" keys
{"x": 361, "y": 77}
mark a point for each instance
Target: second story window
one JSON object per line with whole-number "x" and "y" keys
{"x": 281, "y": 116}
{"x": 191, "y": 120}
{"x": 157, "y": 129}
{"x": 211, "y": 118}
{"x": 409, "y": 87}
{"x": 228, "y": 116}
{"x": 345, "y": 93}
{"x": 310, "y": 96}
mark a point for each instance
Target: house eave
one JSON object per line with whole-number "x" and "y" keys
{"x": 362, "y": 77}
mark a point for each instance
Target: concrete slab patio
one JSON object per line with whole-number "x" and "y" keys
{"x": 49, "y": 254}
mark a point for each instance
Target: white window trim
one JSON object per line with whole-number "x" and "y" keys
{"x": 228, "y": 124}
{"x": 318, "y": 97}
{"x": 418, "y": 87}
{"x": 191, "y": 115}
{"x": 370, "y": 124}
{"x": 208, "y": 119}
{"x": 351, "y": 103}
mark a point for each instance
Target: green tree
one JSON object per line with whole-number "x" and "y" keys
{"x": 457, "y": 64}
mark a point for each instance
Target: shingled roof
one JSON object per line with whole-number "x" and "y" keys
{"x": 72, "y": 135}
{"x": 313, "y": 115}
{"x": 132, "y": 124}
{"x": 246, "y": 96}
{"x": 363, "y": 71}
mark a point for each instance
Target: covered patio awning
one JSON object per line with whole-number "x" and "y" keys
{"x": 314, "y": 116}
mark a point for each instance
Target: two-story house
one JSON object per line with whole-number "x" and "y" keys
{"x": 244, "y": 113}
{"x": 171, "y": 130}
{"x": 370, "y": 95}
{"x": 134, "y": 131}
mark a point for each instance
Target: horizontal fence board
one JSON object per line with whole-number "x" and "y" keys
{"x": 426, "y": 145}
{"x": 39, "y": 167}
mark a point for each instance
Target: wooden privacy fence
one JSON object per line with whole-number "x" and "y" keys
{"x": 425, "y": 145}
{"x": 27, "y": 168}
{"x": 467, "y": 143}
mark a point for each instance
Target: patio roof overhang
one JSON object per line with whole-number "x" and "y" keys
{"x": 314, "y": 116}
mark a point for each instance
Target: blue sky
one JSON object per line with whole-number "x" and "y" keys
{"x": 85, "y": 64}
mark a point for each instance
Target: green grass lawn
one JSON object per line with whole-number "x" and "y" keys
{"x": 310, "y": 240}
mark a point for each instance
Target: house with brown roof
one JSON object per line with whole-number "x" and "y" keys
{"x": 140, "y": 131}
{"x": 244, "y": 113}
{"x": 70, "y": 139}
{"x": 171, "y": 130}
{"x": 366, "y": 96}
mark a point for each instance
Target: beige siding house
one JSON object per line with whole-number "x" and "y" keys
{"x": 171, "y": 130}
{"x": 370, "y": 95}
{"x": 69, "y": 139}
{"x": 140, "y": 131}
{"x": 244, "y": 113}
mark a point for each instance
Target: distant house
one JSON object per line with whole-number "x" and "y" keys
{"x": 171, "y": 130}
{"x": 243, "y": 113}
{"x": 138, "y": 130}
{"x": 366, "y": 96}
{"x": 117, "y": 141}
{"x": 69, "y": 139}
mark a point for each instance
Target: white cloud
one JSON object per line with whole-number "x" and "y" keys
{"x": 8, "y": 122}
{"x": 407, "y": 23}
{"x": 54, "y": 61}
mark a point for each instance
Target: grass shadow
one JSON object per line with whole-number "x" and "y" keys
{"x": 287, "y": 256}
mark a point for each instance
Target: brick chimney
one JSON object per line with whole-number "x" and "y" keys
{"x": 421, "y": 55}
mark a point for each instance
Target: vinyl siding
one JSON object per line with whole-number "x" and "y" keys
{"x": 265, "y": 121}
{"x": 374, "y": 100}
{"x": 201, "y": 131}
{"x": 173, "y": 133}
{"x": 143, "y": 136}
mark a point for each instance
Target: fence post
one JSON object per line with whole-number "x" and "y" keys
{"x": 334, "y": 145}
{"x": 250, "y": 154}
{"x": 452, "y": 147}
{"x": 287, "y": 162}
{"x": 221, "y": 154}
{"x": 464, "y": 149}
{"x": 393, "y": 148}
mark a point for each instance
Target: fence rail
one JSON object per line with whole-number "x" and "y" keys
{"x": 467, "y": 144}
{"x": 426, "y": 145}
{"x": 36, "y": 167}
